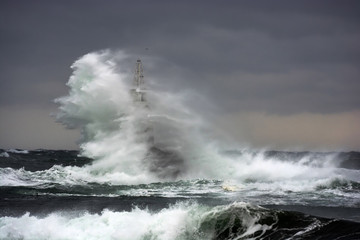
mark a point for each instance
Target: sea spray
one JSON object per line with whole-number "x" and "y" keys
{"x": 116, "y": 135}
{"x": 100, "y": 105}
{"x": 114, "y": 127}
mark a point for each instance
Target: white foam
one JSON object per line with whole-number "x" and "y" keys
{"x": 17, "y": 151}
{"x": 137, "y": 224}
{"x": 182, "y": 221}
{"x": 4, "y": 154}
{"x": 66, "y": 176}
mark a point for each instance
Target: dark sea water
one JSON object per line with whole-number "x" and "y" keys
{"x": 48, "y": 194}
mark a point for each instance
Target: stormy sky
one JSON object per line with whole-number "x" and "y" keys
{"x": 280, "y": 74}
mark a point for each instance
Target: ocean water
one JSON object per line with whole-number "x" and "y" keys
{"x": 158, "y": 171}
{"x": 47, "y": 194}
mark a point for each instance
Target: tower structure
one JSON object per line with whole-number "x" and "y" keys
{"x": 139, "y": 91}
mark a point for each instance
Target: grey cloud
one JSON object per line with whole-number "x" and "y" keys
{"x": 204, "y": 38}
{"x": 280, "y": 57}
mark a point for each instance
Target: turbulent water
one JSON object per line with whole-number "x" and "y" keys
{"x": 158, "y": 172}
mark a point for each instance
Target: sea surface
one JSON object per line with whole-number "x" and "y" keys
{"x": 46, "y": 194}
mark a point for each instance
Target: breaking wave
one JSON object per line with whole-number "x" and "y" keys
{"x": 116, "y": 131}
{"x": 181, "y": 221}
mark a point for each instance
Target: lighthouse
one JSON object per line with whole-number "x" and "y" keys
{"x": 165, "y": 161}
{"x": 138, "y": 91}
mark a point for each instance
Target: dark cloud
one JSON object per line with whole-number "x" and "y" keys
{"x": 280, "y": 57}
